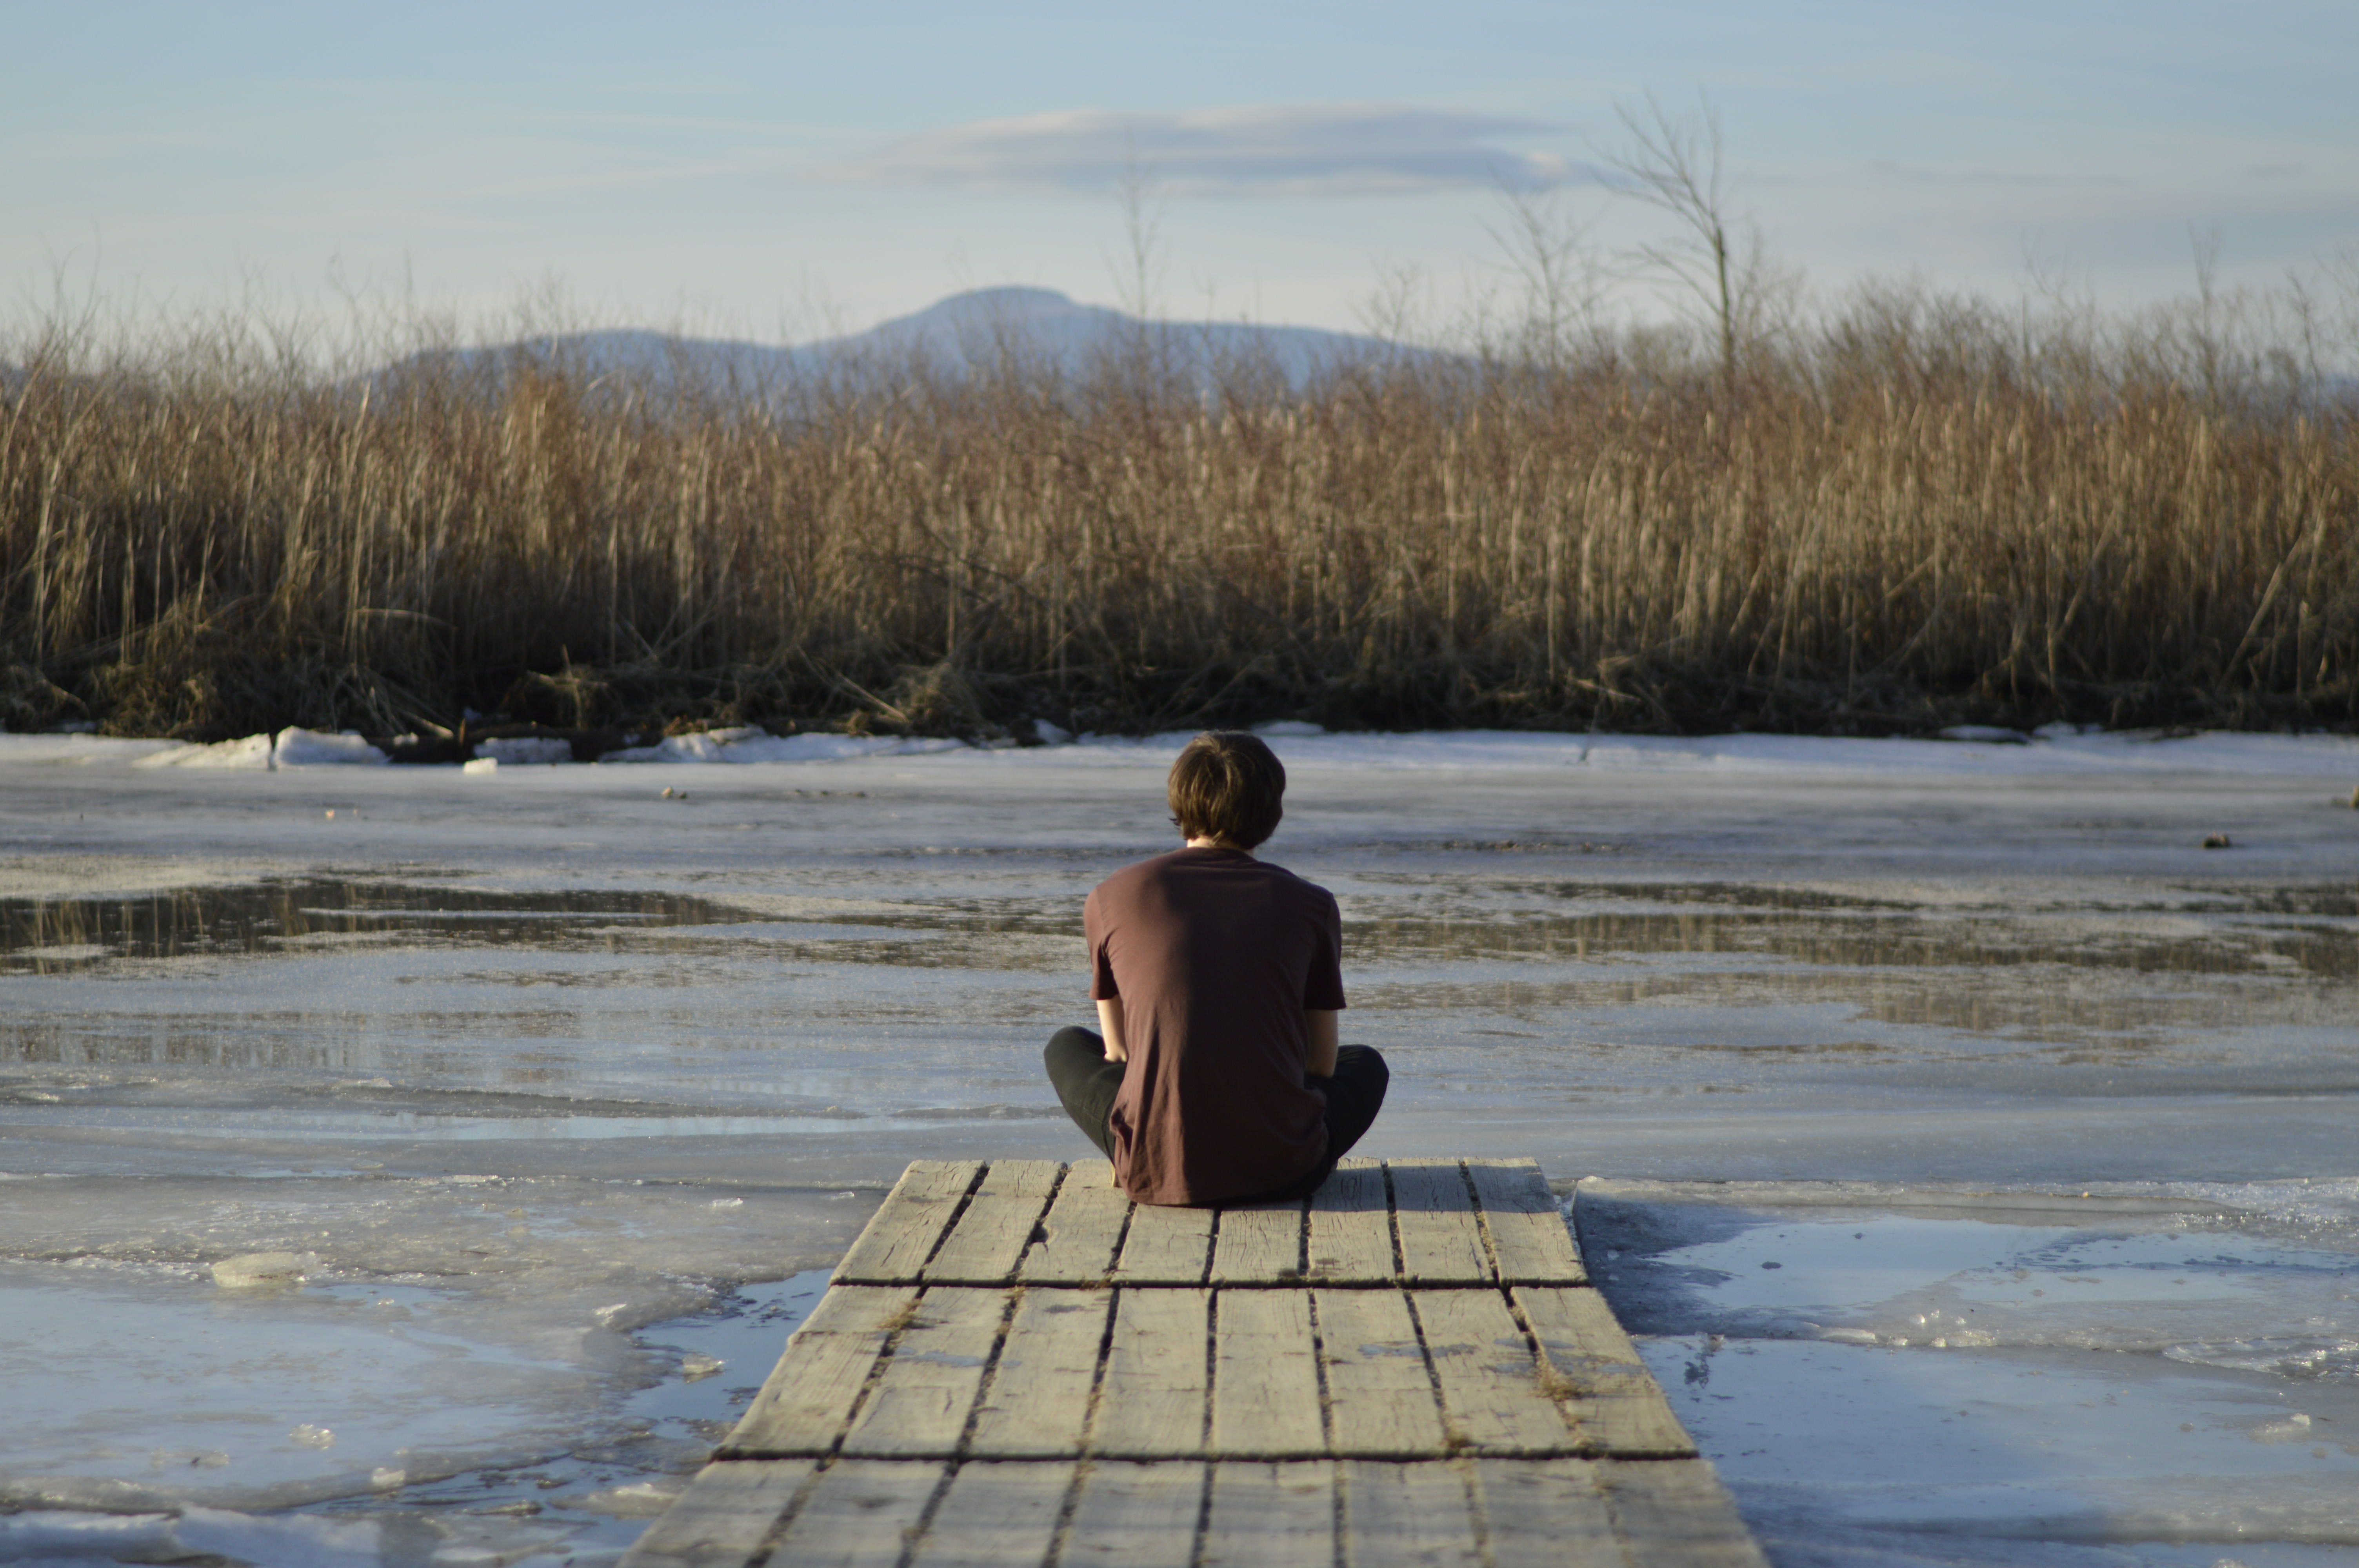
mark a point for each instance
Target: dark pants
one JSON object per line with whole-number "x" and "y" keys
{"x": 1086, "y": 1082}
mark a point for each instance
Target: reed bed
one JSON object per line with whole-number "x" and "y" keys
{"x": 1911, "y": 514}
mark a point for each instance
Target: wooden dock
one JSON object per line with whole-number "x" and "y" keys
{"x": 1015, "y": 1366}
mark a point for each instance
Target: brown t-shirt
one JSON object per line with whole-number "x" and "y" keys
{"x": 1215, "y": 955}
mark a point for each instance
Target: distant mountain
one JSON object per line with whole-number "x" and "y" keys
{"x": 1033, "y": 330}
{"x": 990, "y": 327}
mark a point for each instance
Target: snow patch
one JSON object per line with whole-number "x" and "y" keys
{"x": 252, "y": 753}
{"x": 291, "y": 748}
{"x": 313, "y": 748}
{"x": 751, "y": 744}
{"x": 77, "y": 746}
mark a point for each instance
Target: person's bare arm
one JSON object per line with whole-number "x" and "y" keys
{"x": 1322, "y": 1023}
{"x": 1110, "y": 1025}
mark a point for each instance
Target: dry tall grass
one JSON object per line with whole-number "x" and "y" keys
{"x": 1914, "y": 513}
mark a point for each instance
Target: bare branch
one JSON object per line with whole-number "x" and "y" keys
{"x": 1139, "y": 276}
{"x": 1674, "y": 163}
{"x": 1547, "y": 247}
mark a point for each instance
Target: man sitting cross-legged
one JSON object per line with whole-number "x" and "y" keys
{"x": 1218, "y": 977}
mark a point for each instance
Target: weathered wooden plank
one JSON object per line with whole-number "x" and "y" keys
{"x": 1547, "y": 1513}
{"x": 1379, "y": 1392}
{"x": 1616, "y": 1406}
{"x": 1083, "y": 1228}
{"x": 1039, "y": 1400}
{"x": 1435, "y": 1426}
{"x": 1675, "y": 1511}
{"x": 1156, "y": 1377}
{"x": 919, "y": 1405}
{"x": 1166, "y": 1247}
{"x": 808, "y": 1398}
{"x": 725, "y": 1516}
{"x": 860, "y": 1514}
{"x": 991, "y": 1236}
{"x": 1441, "y": 1240}
{"x": 1491, "y": 1401}
{"x": 900, "y": 1236}
{"x": 1265, "y": 1377}
{"x": 1261, "y": 1245}
{"x": 996, "y": 1516}
{"x": 1406, "y": 1516}
{"x": 1529, "y": 1238}
{"x": 1136, "y": 1515}
{"x": 1260, "y": 1516}
{"x": 1352, "y": 1227}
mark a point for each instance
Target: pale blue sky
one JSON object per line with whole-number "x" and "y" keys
{"x": 776, "y": 168}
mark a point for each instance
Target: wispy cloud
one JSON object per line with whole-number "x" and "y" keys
{"x": 1258, "y": 150}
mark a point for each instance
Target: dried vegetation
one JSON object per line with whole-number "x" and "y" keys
{"x": 1909, "y": 512}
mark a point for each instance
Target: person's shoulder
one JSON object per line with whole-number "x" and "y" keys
{"x": 1133, "y": 875}
{"x": 1302, "y": 887}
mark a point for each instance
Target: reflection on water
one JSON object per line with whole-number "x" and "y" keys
{"x": 579, "y": 991}
{"x": 36, "y": 934}
{"x": 2188, "y": 972}
{"x": 61, "y": 934}
{"x": 2314, "y": 930}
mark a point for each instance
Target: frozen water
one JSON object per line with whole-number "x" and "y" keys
{"x": 543, "y": 1078}
{"x": 283, "y": 1396}
{"x": 1947, "y": 1375}
{"x": 578, "y": 1489}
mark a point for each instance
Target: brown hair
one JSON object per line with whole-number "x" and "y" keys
{"x": 1227, "y": 785}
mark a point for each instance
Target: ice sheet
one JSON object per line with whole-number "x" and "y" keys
{"x": 502, "y": 1493}
{"x": 1948, "y": 1375}
{"x": 549, "y": 1056}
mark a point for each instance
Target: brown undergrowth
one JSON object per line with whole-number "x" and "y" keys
{"x": 1911, "y": 515}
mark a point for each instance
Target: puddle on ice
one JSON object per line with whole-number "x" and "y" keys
{"x": 398, "y": 1420}
{"x": 590, "y": 1499}
{"x": 1948, "y": 1377}
{"x": 258, "y": 917}
{"x": 2212, "y": 932}
{"x": 1843, "y": 1454}
{"x": 268, "y": 1396}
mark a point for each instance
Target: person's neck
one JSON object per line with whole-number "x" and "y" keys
{"x": 1217, "y": 844}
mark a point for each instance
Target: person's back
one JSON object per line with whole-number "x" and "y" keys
{"x": 1218, "y": 979}
{"x": 1215, "y": 956}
